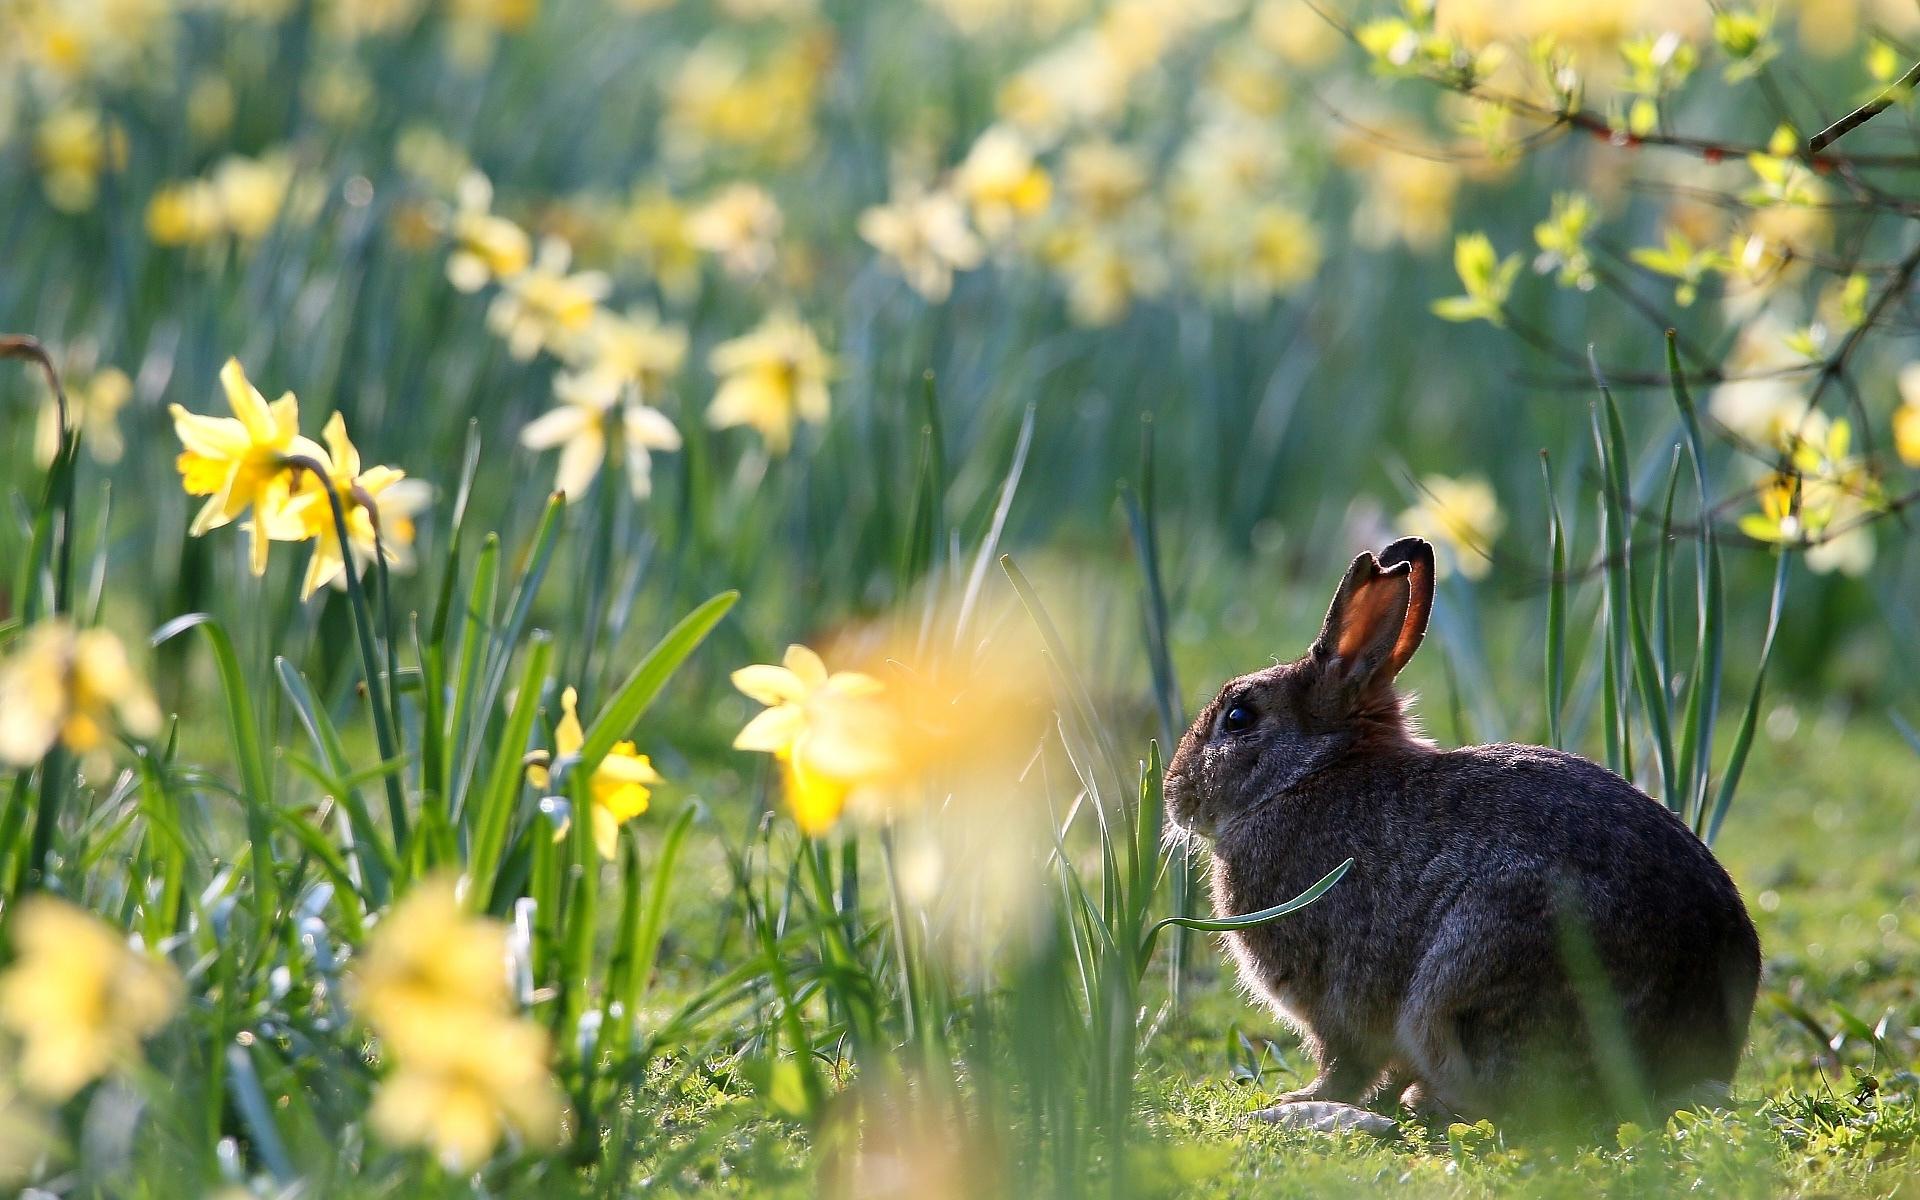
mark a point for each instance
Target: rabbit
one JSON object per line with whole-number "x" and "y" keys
{"x": 1524, "y": 936}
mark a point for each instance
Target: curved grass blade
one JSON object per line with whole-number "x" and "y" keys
{"x": 1248, "y": 920}
{"x": 494, "y": 816}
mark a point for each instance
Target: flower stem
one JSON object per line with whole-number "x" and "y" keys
{"x": 377, "y": 687}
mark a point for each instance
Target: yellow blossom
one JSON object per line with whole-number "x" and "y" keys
{"x": 78, "y": 997}
{"x": 927, "y": 238}
{"x": 578, "y": 425}
{"x": 653, "y": 233}
{"x": 1409, "y": 188}
{"x": 543, "y": 306}
{"x": 738, "y": 226}
{"x": 252, "y": 191}
{"x": 769, "y": 378}
{"x": 396, "y": 501}
{"x": 1102, "y": 179}
{"x": 240, "y": 462}
{"x": 74, "y": 146}
{"x": 95, "y": 405}
{"x": 1461, "y": 518}
{"x": 722, "y": 98}
{"x": 1001, "y": 182}
{"x": 831, "y": 733}
{"x": 464, "y": 1069}
{"x": 1486, "y": 278}
{"x": 488, "y": 247}
{"x": 185, "y": 214}
{"x": 618, "y": 791}
{"x": 63, "y": 684}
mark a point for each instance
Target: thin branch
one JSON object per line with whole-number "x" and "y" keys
{"x": 1866, "y": 112}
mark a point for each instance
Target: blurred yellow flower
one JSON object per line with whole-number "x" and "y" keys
{"x": 770, "y": 378}
{"x": 464, "y": 1070}
{"x": 1461, "y": 518}
{"x": 927, "y": 238}
{"x": 1001, "y": 182}
{"x": 739, "y": 226}
{"x": 832, "y": 733}
{"x": 185, "y": 214}
{"x": 95, "y": 406}
{"x": 1906, "y": 418}
{"x": 63, "y": 684}
{"x": 543, "y": 306}
{"x": 73, "y": 147}
{"x": 240, "y": 462}
{"x": 618, "y": 790}
{"x": 252, "y": 191}
{"x": 1295, "y": 30}
{"x": 578, "y": 425}
{"x": 720, "y": 98}
{"x": 652, "y": 232}
{"x": 395, "y": 499}
{"x": 1102, "y": 179}
{"x": 1104, "y": 274}
{"x": 487, "y": 247}
{"x": 1763, "y": 398}
{"x": 1562, "y": 239}
{"x": 78, "y": 997}
{"x": 1408, "y": 189}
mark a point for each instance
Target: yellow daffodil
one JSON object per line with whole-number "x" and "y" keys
{"x": 618, "y": 791}
{"x": 543, "y": 306}
{"x": 1461, "y": 518}
{"x": 738, "y": 226}
{"x": 769, "y": 378}
{"x": 927, "y": 238}
{"x": 78, "y": 997}
{"x": 652, "y": 233}
{"x": 1408, "y": 188}
{"x": 95, "y": 406}
{"x": 185, "y": 214}
{"x": 62, "y": 684}
{"x": 74, "y": 147}
{"x": 637, "y": 349}
{"x": 578, "y": 425}
{"x": 252, "y": 192}
{"x": 396, "y": 501}
{"x": 832, "y": 733}
{"x": 488, "y": 247}
{"x": 464, "y": 1069}
{"x": 1001, "y": 182}
{"x": 724, "y": 98}
{"x": 240, "y": 462}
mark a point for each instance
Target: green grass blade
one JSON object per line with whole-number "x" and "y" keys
{"x": 255, "y": 781}
{"x": 1249, "y": 920}
{"x": 1703, "y": 688}
{"x": 617, "y": 719}
{"x": 379, "y": 866}
{"x": 493, "y": 817}
{"x": 1556, "y": 610}
{"x": 1743, "y": 737}
{"x": 476, "y": 632}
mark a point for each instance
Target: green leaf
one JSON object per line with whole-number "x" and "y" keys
{"x": 494, "y": 815}
{"x": 617, "y": 719}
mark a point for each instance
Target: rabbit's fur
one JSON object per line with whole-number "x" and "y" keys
{"x": 1441, "y": 962}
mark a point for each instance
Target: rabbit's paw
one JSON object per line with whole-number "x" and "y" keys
{"x": 1327, "y": 1116}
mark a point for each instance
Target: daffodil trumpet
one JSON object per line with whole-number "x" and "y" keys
{"x": 378, "y": 694}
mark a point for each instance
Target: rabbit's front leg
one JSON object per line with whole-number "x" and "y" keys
{"x": 1346, "y": 1075}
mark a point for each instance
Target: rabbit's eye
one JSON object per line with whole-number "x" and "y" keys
{"x": 1237, "y": 719}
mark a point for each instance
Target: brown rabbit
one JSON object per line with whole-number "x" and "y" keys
{"x": 1517, "y": 920}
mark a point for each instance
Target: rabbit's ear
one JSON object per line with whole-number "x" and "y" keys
{"x": 1417, "y": 553}
{"x": 1365, "y": 624}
